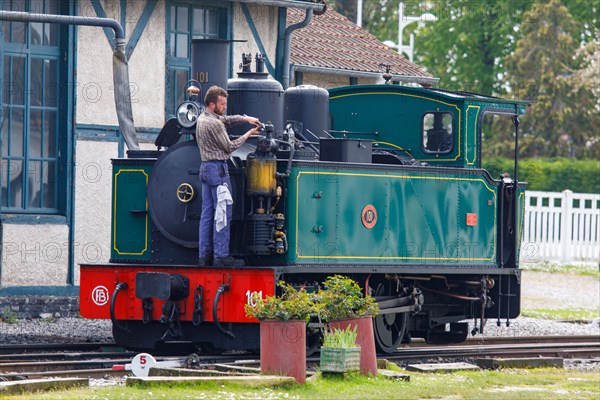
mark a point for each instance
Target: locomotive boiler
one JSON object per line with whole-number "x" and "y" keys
{"x": 381, "y": 183}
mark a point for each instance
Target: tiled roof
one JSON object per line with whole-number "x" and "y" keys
{"x": 333, "y": 41}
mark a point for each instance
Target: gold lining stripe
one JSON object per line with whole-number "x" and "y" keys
{"x": 495, "y": 230}
{"x": 474, "y": 135}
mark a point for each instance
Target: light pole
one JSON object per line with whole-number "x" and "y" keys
{"x": 359, "y": 6}
{"x": 403, "y": 22}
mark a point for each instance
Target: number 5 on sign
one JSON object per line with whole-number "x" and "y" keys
{"x": 141, "y": 364}
{"x": 253, "y": 297}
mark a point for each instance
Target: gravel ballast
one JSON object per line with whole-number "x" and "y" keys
{"x": 83, "y": 330}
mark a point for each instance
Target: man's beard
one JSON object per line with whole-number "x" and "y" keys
{"x": 219, "y": 112}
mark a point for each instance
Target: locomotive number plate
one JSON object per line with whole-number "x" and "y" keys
{"x": 369, "y": 216}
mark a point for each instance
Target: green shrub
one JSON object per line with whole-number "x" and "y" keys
{"x": 293, "y": 304}
{"x": 339, "y": 298}
{"x": 8, "y": 316}
{"x": 551, "y": 175}
{"x": 342, "y": 298}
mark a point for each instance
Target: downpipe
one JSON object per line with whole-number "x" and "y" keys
{"x": 287, "y": 40}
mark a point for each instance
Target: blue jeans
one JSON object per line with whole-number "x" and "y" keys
{"x": 213, "y": 174}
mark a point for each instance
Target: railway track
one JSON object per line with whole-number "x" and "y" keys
{"x": 528, "y": 346}
{"x": 582, "y": 349}
{"x": 85, "y": 359}
{"x": 34, "y": 361}
{"x": 12, "y": 349}
{"x": 523, "y": 339}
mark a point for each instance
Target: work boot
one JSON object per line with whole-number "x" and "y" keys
{"x": 204, "y": 261}
{"x": 228, "y": 262}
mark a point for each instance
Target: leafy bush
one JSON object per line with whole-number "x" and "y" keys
{"x": 342, "y": 298}
{"x": 339, "y": 298}
{"x": 340, "y": 338}
{"x": 551, "y": 175}
{"x": 8, "y": 316}
{"x": 293, "y": 304}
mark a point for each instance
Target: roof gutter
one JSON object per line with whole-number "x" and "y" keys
{"x": 120, "y": 68}
{"x": 423, "y": 80}
{"x": 17, "y": 16}
{"x": 304, "y": 5}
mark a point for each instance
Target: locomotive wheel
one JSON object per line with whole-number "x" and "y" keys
{"x": 389, "y": 328}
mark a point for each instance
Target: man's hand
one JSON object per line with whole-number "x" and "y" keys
{"x": 255, "y": 131}
{"x": 252, "y": 132}
{"x": 252, "y": 120}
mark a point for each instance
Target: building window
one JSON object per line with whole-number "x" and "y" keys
{"x": 32, "y": 117}
{"x": 353, "y": 80}
{"x": 298, "y": 78}
{"x": 438, "y": 135}
{"x": 184, "y": 23}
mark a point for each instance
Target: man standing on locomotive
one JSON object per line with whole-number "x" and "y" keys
{"x": 215, "y": 149}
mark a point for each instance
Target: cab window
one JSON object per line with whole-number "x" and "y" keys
{"x": 438, "y": 135}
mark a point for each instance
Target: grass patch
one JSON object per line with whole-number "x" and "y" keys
{"x": 8, "y": 316}
{"x": 568, "y": 314}
{"x": 507, "y": 384}
{"x": 580, "y": 270}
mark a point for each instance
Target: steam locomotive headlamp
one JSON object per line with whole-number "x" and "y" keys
{"x": 187, "y": 113}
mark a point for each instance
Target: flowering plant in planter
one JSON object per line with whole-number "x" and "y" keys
{"x": 341, "y": 298}
{"x": 293, "y": 304}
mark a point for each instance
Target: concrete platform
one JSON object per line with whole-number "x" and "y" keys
{"x": 154, "y": 371}
{"x": 536, "y": 362}
{"x": 34, "y": 385}
{"x": 236, "y": 368}
{"x": 394, "y": 375}
{"x": 442, "y": 367}
{"x": 249, "y": 381}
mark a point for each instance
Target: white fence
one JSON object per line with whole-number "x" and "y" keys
{"x": 563, "y": 227}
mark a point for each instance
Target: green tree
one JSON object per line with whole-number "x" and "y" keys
{"x": 587, "y": 16}
{"x": 467, "y": 46}
{"x": 380, "y": 17}
{"x": 564, "y": 113}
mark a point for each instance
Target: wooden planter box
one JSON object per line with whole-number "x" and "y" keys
{"x": 340, "y": 359}
{"x": 365, "y": 339}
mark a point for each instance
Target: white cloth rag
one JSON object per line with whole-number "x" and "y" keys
{"x": 223, "y": 200}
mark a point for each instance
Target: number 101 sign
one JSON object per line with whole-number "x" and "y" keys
{"x": 253, "y": 297}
